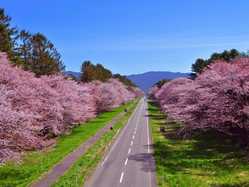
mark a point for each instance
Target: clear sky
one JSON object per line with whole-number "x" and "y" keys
{"x": 134, "y": 36}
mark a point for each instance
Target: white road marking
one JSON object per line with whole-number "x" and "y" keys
{"x": 126, "y": 161}
{"x": 117, "y": 133}
{"x": 131, "y": 143}
{"x": 109, "y": 145}
{"x": 148, "y": 132}
{"x": 148, "y": 140}
{"x": 136, "y": 117}
{"x": 121, "y": 177}
{"x": 133, "y": 137}
{"x": 119, "y": 138}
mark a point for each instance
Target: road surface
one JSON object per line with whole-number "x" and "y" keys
{"x": 59, "y": 169}
{"x": 129, "y": 162}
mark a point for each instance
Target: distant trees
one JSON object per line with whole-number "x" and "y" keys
{"x": 217, "y": 99}
{"x": 90, "y": 72}
{"x": 227, "y": 55}
{"x": 160, "y": 83}
{"x": 124, "y": 80}
{"x": 112, "y": 93}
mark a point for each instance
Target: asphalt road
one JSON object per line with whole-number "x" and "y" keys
{"x": 59, "y": 169}
{"x": 129, "y": 162}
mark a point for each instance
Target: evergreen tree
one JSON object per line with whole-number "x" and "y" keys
{"x": 227, "y": 55}
{"x": 90, "y": 72}
{"x": 124, "y": 80}
{"x": 38, "y": 54}
{"x": 7, "y": 34}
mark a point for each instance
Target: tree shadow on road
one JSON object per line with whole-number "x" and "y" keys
{"x": 146, "y": 159}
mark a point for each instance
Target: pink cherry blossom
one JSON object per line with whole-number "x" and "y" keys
{"x": 33, "y": 110}
{"x": 217, "y": 99}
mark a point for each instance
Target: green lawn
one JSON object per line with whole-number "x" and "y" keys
{"x": 207, "y": 159}
{"x": 34, "y": 164}
{"x": 77, "y": 174}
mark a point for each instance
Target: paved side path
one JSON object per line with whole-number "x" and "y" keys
{"x": 130, "y": 161}
{"x": 58, "y": 170}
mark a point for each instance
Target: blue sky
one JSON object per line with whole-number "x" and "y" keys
{"x": 135, "y": 36}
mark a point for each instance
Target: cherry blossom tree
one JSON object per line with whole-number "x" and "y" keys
{"x": 111, "y": 94}
{"x": 77, "y": 102}
{"x": 217, "y": 99}
{"x": 34, "y": 110}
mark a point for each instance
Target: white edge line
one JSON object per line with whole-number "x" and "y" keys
{"x": 126, "y": 161}
{"x": 109, "y": 145}
{"x": 121, "y": 177}
{"x": 148, "y": 132}
{"x": 131, "y": 143}
{"x": 147, "y": 120}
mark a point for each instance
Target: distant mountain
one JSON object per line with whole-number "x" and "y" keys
{"x": 146, "y": 80}
{"x": 75, "y": 74}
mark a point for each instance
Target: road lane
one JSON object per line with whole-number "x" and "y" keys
{"x": 129, "y": 163}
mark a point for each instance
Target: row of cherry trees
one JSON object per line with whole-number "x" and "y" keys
{"x": 32, "y": 110}
{"x": 217, "y": 99}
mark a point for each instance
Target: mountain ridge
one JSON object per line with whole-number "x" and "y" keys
{"x": 144, "y": 80}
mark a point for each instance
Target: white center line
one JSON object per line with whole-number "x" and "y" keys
{"x": 129, "y": 150}
{"x": 133, "y": 137}
{"x": 126, "y": 161}
{"x": 121, "y": 177}
{"x": 131, "y": 143}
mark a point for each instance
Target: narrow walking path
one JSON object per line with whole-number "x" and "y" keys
{"x": 58, "y": 170}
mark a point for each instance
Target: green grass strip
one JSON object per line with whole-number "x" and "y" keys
{"x": 78, "y": 173}
{"x": 34, "y": 164}
{"x": 206, "y": 159}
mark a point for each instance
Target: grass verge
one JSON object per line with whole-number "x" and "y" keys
{"x": 77, "y": 174}
{"x": 34, "y": 164}
{"x": 207, "y": 159}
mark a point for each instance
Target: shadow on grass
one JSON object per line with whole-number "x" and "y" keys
{"x": 206, "y": 154}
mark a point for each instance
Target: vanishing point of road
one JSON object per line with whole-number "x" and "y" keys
{"x": 129, "y": 163}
